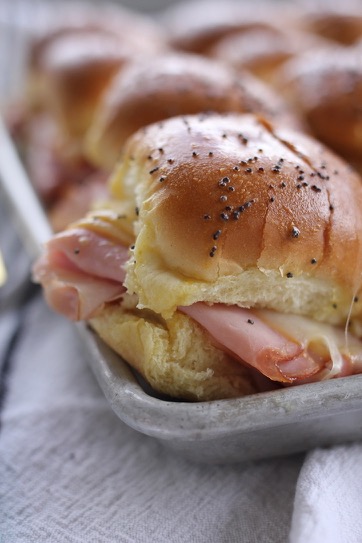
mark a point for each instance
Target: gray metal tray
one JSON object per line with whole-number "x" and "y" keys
{"x": 262, "y": 425}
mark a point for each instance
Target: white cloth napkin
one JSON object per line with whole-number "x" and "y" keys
{"x": 71, "y": 471}
{"x": 328, "y": 500}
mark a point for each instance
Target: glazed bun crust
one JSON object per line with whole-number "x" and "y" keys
{"x": 197, "y": 25}
{"x": 235, "y": 210}
{"x": 153, "y": 89}
{"x": 341, "y": 22}
{"x": 264, "y": 51}
{"x": 71, "y": 65}
{"x": 78, "y": 18}
{"x": 327, "y": 90}
{"x": 140, "y": 33}
{"x": 76, "y": 70}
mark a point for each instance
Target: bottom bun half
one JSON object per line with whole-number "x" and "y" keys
{"x": 175, "y": 356}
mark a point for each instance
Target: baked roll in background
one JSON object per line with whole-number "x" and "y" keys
{"x": 326, "y": 89}
{"x": 198, "y": 25}
{"x": 170, "y": 84}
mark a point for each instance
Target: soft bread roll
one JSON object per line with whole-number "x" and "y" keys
{"x": 334, "y": 20}
{"x": 264, "y": 51}
{"x": 70, "y": 66}
{"x": 326, "y": 88}
{"x": 175, "y": 356}
{"x": 138, "y": 31}
{"x": 77, "y": 69}
{"x": 171, "y": 84}
{"x": 197, "y": 25}
{"x": 234, "y": 210}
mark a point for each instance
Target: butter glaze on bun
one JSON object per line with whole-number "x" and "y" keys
{"x": 237, "y": 211}
{"x": 153, "y": 89}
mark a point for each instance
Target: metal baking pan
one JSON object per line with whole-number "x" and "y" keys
{"x": 261, "y": 425}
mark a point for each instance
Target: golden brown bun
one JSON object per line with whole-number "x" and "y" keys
{"x": 113, "y": 20}
{"x": 334, "y": 20}
{"x": 327, "y": 90}
{"x": 72, "y": 63}
{"x": 154, "y": 89}
{"x": 264, "y": 51}
{"x": 137, "y": 31}
{"x": 234, "y": 210}
{"x": 197, "y": 25}
{"x": 175, "y": 357}
{"x": 77, "y": 70}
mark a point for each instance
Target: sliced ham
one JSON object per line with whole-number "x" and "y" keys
{"x": 285, "y": 348}
{"x": 78, "y": 296}
{"x": 80, "y": 271}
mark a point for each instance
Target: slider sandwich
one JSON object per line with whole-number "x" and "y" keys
{"x": 228, "y": 262}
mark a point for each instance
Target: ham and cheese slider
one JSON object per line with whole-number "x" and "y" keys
{"x": 234, "y": 259}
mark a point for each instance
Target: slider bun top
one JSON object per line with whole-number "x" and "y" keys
{"x": 76, "y": 70}
{"x": 71, "y": 66}
{"x": 263, "y": 51}
{"x": 111, "y": 20}
{"x": 338, "y": 21}
{"x": 153, "y": 89}
{"x": 232, "y": 209}
{"x": 327, "y": 90}
{"x": 197, "y": 25}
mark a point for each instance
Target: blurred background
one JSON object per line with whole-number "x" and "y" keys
{"x": 85, "y": 56}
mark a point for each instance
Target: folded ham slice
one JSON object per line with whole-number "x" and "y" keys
{"x": 285, "y": 348}
{"x": 80, "y": 271}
